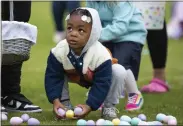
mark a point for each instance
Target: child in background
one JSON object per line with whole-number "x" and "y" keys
{"x": 82, "y": 59}
{"x": 124, "y": 34}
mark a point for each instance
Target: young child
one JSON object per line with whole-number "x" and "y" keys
{"x": 82, "y": 59}
{"x": 124, "y": 33}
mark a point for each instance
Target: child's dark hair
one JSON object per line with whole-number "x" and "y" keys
{"x": 81, "y": 12}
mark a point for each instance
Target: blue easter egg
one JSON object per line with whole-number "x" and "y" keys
{"x": 81, "y": 122}
{"x": 160, "y": 117}
{"x": 107, "y": 122}
{"x": 135, "y": 121}
{"x": 124, "y": 123}
{"x": 125, "y": 118}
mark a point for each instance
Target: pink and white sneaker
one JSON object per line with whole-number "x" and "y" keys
{"x": 135, "y": 102}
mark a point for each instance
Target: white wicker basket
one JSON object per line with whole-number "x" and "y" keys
{"x": 18, "y": 37}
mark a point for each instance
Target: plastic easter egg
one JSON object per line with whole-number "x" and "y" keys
{"x": 160, "y": 117}
{"x": 109, "y": 123}
{"x": 78, "y": 110}
{"x": 125, "y": 118}
{"x": 172, "y": 122}
{"x": 61, "y": 112}
{"x": 135, "y": 121}
{"x": 150, "y": 123}
{"x": 90, "y": 123}
{"x": 167, "y": 118}
{"x": 157, "y": 123}
{"x": 69, "y": 114}
{"x": 100, "y": 122}
{"x": 142, "y": 117}
{"x": 16, "y": 121}
{"x": 33, "y": 121}
{"x": 4, "y": 117}
{"x": 81, "y": 122}
{"x": 116, "y": 121}
{"x": 25, "y": 117}
{"x": 143, "y": 123}
{"x": 124, "y": 123}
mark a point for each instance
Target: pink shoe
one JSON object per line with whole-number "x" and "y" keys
{"x": 135, "y": 102}
{"x": 156, "y": 86}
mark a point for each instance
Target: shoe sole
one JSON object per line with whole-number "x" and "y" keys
{"x": 32, "y": 111}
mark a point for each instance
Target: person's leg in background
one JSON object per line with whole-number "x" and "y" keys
{"x": 71, "y": 5}
{"x": 58, "y": 9}
{"x": 11, "y": 74}
{"x": 158, "y": 44}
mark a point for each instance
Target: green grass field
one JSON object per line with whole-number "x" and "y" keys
{"x": 34, "y": 69}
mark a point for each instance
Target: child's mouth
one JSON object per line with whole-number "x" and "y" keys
{"x": 73, "y": 42}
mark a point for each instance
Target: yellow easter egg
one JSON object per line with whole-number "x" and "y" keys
{"x": 116, "y": 121}
{"x": 69, "y": 114}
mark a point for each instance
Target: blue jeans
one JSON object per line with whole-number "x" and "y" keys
{"x": 58, "y": 9}
{"x": 128, "y": 54}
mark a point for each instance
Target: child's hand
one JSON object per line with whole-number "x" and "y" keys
{"x": 86, "y": 110}
{"x": 56, "y": 105}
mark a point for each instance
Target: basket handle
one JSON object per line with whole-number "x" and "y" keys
{"x": 11, "y": 10}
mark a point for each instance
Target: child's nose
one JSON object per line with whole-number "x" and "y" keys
{"x": 74, "y": 33}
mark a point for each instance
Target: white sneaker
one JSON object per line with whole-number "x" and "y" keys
{"x": 109, "y": 113}
{"x": 59, "y": 36}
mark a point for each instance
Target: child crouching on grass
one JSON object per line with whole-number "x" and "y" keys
{"x": 82, "y": 59}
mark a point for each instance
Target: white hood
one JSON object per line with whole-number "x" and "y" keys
{"x": 96, "y": 28}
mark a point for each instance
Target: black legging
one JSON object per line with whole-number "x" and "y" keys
{"x": 158, "y": 43}
{"x": 22, "y": 10}
{"x": 11, "y": 74}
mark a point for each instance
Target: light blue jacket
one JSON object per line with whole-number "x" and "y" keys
{"x": 121, "y": 22}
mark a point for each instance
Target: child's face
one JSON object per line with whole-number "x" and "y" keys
{"x": 78, "y": 32}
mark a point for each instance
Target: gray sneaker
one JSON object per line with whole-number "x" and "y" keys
{"x": 109, "y": 113}
{"x": 68, "y": 105}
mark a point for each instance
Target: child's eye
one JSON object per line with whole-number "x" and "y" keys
{"x": 81, "y": 30}
{"x": 69, "y": 28}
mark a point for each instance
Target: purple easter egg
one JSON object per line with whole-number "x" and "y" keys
{"x": 16, "y": 121}
{"x": 25, "y": 117}
{"x": 61, "y": 112}
{"x": 78, "y": 110}
{"x": 90, "y": 123}
{"x": 142, "y": 117}
{"x": 33, "y": 121}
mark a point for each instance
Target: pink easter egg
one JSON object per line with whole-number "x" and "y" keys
{"x": 61, "y": 112}
{"x": 78, "y": 110}
{"x": 172, "y": 122}
{"x": 167, "y": 118}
